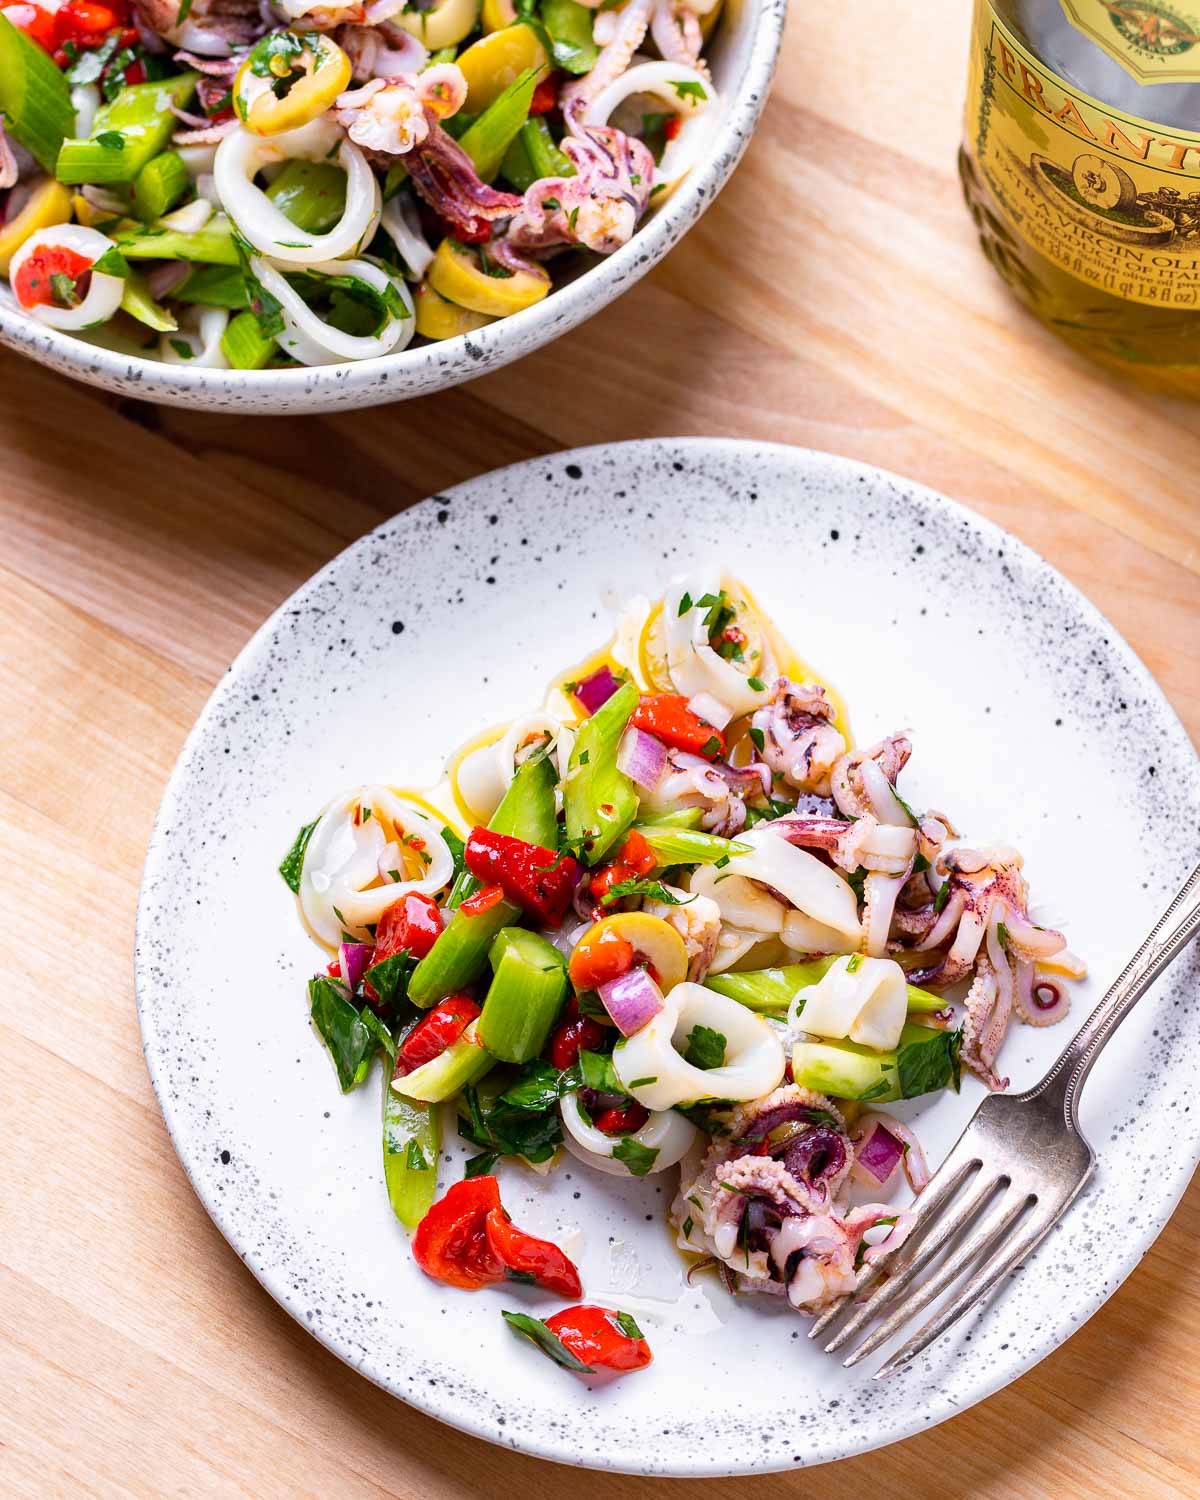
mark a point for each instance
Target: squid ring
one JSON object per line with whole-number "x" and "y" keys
{"x": 685, "y": 92}
{"x": 652, "y": 1069}
{"x": 310, "y": 339}
{"x": 665, "y": 1132}
{"x": 241, "y": 155}
{"x": 348, "y": 876}
{"x": 203, "y": 338}
{"x": 104, "y": 292}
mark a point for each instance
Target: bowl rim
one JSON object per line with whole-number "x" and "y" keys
{"x": 465, "y": 355}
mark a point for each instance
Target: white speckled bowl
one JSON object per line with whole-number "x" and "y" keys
{"x": 1032, "y": 722}
{"x": 743, "y": 56}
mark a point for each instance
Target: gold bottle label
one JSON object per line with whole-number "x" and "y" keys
{"x": 1155, "y": 42}
{"x": 1110, "y": 198}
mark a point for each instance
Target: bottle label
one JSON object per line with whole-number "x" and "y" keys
{"x": 1157, "y": 43}
{"x": 1108, "y": 197}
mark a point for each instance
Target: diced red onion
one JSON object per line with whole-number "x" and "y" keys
{"x": 880, "y": 1154}
{"x": 597, "y": 688}
{"x": 711, "y": 710}
{"x": 642, "y": 758}
{"x": 631, "y": 1000}
{"x": 352, "y": 959}
{"x": 165, "y": 277}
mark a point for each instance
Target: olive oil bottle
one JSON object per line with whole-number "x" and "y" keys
{"x": 1081, "y": 166}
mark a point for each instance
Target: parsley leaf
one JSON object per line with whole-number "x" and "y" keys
{"x": 638, "y": 1158}
{"x": 705, "y": 1048}
{"x": 758, "y": 737}
{"x": 293, "y": 861}
{"x": 351, "y": 1041}
{"x": 685, "y": 604}
{"x": 688, "y": 88}
{"x": 110, "y": 140}
{"x": 389, "y": 978}
{"x": 544, "y": 1337}
{"x": 639, "y": 886}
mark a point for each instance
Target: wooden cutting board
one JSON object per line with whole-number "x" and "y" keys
{"x": 833, "y": 297}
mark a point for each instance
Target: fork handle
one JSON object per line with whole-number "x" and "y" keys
{"x": 1172, "y": 932}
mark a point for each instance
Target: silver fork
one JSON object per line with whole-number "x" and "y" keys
{"x": 1012, "y": 1174}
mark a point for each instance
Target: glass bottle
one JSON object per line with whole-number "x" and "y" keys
{"x": 1081, "y": 166}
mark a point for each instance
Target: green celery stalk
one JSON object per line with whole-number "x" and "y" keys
{"x": 214, "y": 286}
{"x": 516, "y": 168}
{"x": 489, "y": 137}
{"x": 463, "y": 1062}
{"x": 138, "y": 303}
{"x": 925, "y": 1061}
{"x": 686, "y": 846}
{"x": 141, "y": 117}
{"x": 770, "y": 991}
{"x": 442, "y": 55}
{"x": 35, "y": 98}
{"x": 312, "y": 194}
{"x": 525, "y": 996}
{"x": 213, "y": 244}
{"x": 569, "y": 27}
{"x": 544, "y": 156}
{"x": 685, "y": 817}
{"x": 244, "y": 344}
{"x": 160, "y": 185}
{"x": 412, "y": 1138}
{"x": 599, "y": 800}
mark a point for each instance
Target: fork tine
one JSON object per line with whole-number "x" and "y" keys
{"x": 938, "y": 1234}
{"x": 945, "y": 1182}
{"x": 995, "y": 1227}
{"x": 984, "y": 1280}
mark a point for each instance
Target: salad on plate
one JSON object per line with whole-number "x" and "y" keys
{"x": 673, "y": 921}
{"x": 257, "y": 183}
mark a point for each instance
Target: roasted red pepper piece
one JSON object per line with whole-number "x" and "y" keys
{"x": 36, "y": 23}
{"x": 538, "y": 880}
{"x": 526, "y": 1258}
{"x": 483, "y": 900}
{"x": 668, "y": 718}
{"x": 545, "y": 96}
{"x": 467, "y": 1240}
{"x": 413, "y": 922}
{"x": 594, "y": 1335}
{"x": 621, "y": 1121}
{"x": 451, "y": 1243}
{"x": 434, "y": 1032}
{"x": 567, "y": 1041}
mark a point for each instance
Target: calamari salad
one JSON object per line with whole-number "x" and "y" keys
{"x": 672, "y": 921}
{"x": 252, "y": 183}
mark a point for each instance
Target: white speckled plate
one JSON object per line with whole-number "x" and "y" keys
{"x": 1032, "y": 721}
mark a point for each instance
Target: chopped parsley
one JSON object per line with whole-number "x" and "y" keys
{"x": 705, "y": 1048}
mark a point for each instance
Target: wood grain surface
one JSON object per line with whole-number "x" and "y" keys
{"x": 833, "y": 297}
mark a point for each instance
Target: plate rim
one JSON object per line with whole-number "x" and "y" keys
{"x": 937, "y": 1406}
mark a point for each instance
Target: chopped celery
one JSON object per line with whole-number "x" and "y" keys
{"x": 525, "y": 996}
{"x": 770, "y": 991}
{"x": 126, "y": 133}
{"x": 213, "y": 244}
{"x": 35, "y": 98}
{"x": 685, "y": 817}
{"x": 411, "y": 1141}
{"x": 925, "y": 1060}
{"x": 489, "y": 137}
{"x": 463, "y": 1062}
{"x": 686, "y": 846}
{"x": 569, "y": 27}
{"x": 244, "y": 344}
{"x": 544, "y": 156}
{"x": 138, "y": 303}
{"x": 599, "y": 800}
{"x": 442, "y": 55}
{"x": 214, "y": 286}
{"x": 312, "y": 194}
{"x": 160, "y": 185}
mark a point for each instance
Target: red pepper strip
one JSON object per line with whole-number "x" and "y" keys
{"x": 528, "y": 1259}
{"x": 593, "y": 1335}
{"x": 483, "y": 900}
{"x": 451, "y": 1242}
{"x": 621, "y": 1121}
{"x": 436, "y": 1031}
{"x": 668, "y": 718}
{"x": 36, "y": 23}
{"x": 567, "y": 1041}
{"x": 545, "y": 96}
{"x": 413, "y": 922}
{"x": 536, "y": 879}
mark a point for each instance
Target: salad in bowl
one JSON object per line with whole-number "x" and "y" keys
{"x": 675, "y": 927}
{"x": 252, "y": 185}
